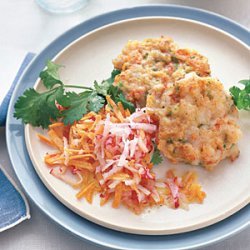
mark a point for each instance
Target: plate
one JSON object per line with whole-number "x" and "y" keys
{"x": 89, "y": 58}
{"x": 62, "y": 215}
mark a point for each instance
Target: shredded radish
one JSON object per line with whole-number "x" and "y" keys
{"x": 133, "y": 170}
{"x": 133, "y": 144}
{"x": 140, "y": 195}
{"x": 108, "y": 164}
{"x": 142, "y": 145}
{"x": 101, "y": 182}
{"x": 138, "y": 113}
{"x": 129, "y": 182}
{"x": 68, "y": 177}
{"x": 136, "y": 125}
{"x": 144, "y": 190}
{"x": 144, "y": 126}
{"x": 114, "y": 170}
{"x": 173, "y": 187}
{"x": 114, "y": 184}
{"x": 174, "y": 191}
{"x": 155, "y": 195}
{"x": 75, "y": 142}
{"x": 128, "y": 142}
{"x": 81, "y": 151}
{"x": 107, "y": 124}
{"x": 124, "y": 154}
{"x": 160, "y": 184}
{"x": 65, "y": 150}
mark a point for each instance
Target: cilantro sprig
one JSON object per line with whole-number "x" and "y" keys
{"x": 50, "y": 76}
{"x": 156, "y": 157}
{"x": 241, "y": 97}
{"x": 40, "y": 109}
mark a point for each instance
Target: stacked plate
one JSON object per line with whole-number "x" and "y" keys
{"x": 87, "y": 51}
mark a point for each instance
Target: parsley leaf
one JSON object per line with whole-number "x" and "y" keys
{"x": 156, "y": 157}
{"x": 38, "y": 109}
{"x": 241, "y": 97}
{"x": 50, "y": 76}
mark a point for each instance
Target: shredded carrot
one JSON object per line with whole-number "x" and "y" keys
{"x": 45, "y": 140}
{"x": 82, "y": 165}
{"x": 85, "y": 190}
{"x": 56, "y": 124}
{"x": 58, "y": 141}
{"x": 82, "y": 156}
{"x": 118, "y": 196}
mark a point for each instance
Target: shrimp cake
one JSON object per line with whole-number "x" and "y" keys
{"x": 197, "y": 121}
{"x": 154, "y": 61}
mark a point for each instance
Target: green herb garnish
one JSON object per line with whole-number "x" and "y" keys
{"x": 174, "y": 59}
{"x": 156, "y": 157}
{"x": 39, "y": 109}
{"x": 182, "y": 140}
{"x": 170, "y": 141}
{"x": 50, "y": 76}
{"x": 241, "y": 97}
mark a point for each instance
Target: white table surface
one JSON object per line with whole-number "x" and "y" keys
{"x": 26, "y": 27}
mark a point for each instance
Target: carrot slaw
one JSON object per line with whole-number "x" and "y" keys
{"x": 109, "y": 153}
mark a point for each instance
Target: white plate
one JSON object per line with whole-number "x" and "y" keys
{"x": 89, "y": 58}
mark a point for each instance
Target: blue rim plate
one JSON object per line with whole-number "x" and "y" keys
{"x": 61, "y": 214}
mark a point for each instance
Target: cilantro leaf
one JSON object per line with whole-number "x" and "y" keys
{"x": 125, "y": 103}
{"x": 241, "y": 97}
{"x": 114, "y": 92}
{"x": 245, "y": 82}
{"x": 156, "y": 157}
{"x": 96, "y": 102}
{"x": 107, "y": 88}
{"x": 247, "y": 85}
{"x": 50, "y": 76}
{"x": 81, "y": 104}
{"x": 64, "y": 100}
{"x": 104, "y": 86}
{"x": 78, "y": 106}
{"x": 117, "y": 96}
{"x": 114, "y": 73}
{"x": 38, "y": 109}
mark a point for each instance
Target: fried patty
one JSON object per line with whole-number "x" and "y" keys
{"x": 155, "y": 61}
{"x": 197, "y": 121}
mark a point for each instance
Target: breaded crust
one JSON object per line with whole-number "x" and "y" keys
{"x": 197, "y": 121}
